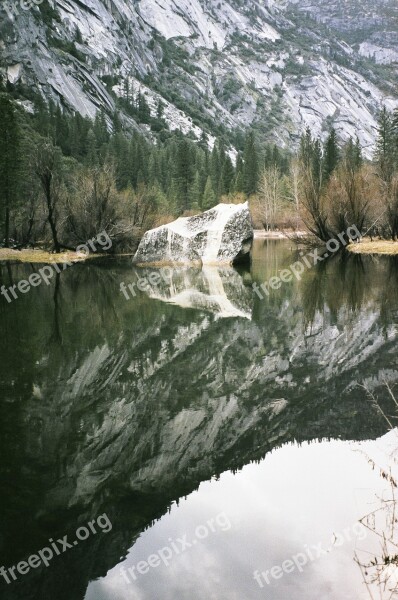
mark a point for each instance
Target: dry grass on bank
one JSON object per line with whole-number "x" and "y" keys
{"x": 367, "y": 246}
{"x": 41, "y": 256}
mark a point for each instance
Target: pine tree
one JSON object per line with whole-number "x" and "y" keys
{"x": 137, "y": 162}
{"x": 126, "y": 90}
{"x": 310, "y": 155}
{"x": 144, "y": 112}
{"x": 141, "y": 180}
{"x": 154, "y": 169}
{"x": 215, "y": 169}
{"x": 250, "y": 166}
{"x": 227, "y": 175}
{"x": 78, "y": 131}
{"x": 395, "y": 137}
{"x": 358, "y": 156}
{"x": 204, "y": 142}
{"x": 331, "y": 154}
{"x": 203, "y": 174}
{"x": 164, "y": 174}
{"x": 120, "y": 152}
{"x": 100, "y": 129}
{"x": 317, "y": 163}
{"x": 238, "y": 181}
{"x": 196, "y": 193}
{"x": 276, "y": 157}
{"x": 353, "y": 155}
{"x": 183, "y": 174}
{"x": 209, "y": 197}
{"x": 91, "y": 153}
{"x": 160, "y": 110}
{"x": 116, "y": 122}
{"x": 222, "y": 156}
{"x": 61, "y": 134}
{"x": 10, "y": 158}
{"x": 306, "y": 152}
{"x": 41, "y": 120}
{"x": 78, "y": 36}
{"x": 385, "y": 146}
{"x": 267, "y": 157}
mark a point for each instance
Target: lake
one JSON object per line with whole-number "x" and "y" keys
{"x": 222, "y": 445}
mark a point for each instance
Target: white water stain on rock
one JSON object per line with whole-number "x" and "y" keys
{"x": 219, "y": 236}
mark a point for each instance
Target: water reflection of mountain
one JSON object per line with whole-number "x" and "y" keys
{"x": 122, "y": 406}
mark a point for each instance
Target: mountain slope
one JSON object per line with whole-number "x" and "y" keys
{"x": 215, "y": 66}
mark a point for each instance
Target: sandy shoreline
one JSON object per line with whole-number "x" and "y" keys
{"x": 261, "y": 234}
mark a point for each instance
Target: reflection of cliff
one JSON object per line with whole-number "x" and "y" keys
{"x": 217, "y": 290}
{"x": 133, "y": 404}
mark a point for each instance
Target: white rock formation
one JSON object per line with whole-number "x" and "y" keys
{"x": 221, "y": 235}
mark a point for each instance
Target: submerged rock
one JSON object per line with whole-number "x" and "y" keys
{"x": 222, "y": 235}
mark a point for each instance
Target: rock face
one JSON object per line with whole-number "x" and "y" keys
{"x": 281, "y": 65}
{"x": 222, "y": 235}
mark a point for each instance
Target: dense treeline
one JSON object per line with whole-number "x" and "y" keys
{"x": 332, "y": 187}
{"x": 64, "y": 178}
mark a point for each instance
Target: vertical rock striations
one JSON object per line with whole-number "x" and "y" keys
{"x": 222, "y": 235}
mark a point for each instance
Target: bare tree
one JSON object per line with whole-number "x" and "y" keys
{"x": 271, "y": 198}
{"x": 90, "y": 203}
{"x": 47, "y": 166}
{"x": 93, "y": 205}
{"x": 294, "y": 185}
{"x": 390, "y": 195}
{"x": 315, "y": 215}
{"x": 348, "y": 195}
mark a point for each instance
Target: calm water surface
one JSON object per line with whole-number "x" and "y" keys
{"x": 252, "y": 429}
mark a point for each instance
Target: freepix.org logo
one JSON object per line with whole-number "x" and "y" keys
{"x": 54, "y": 549}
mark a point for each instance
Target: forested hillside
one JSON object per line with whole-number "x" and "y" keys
{"x": 64, "y": 178}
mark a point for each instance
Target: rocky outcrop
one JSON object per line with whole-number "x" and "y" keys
{"x": 281, "y": 67}
{"x": 222, "y": 235}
